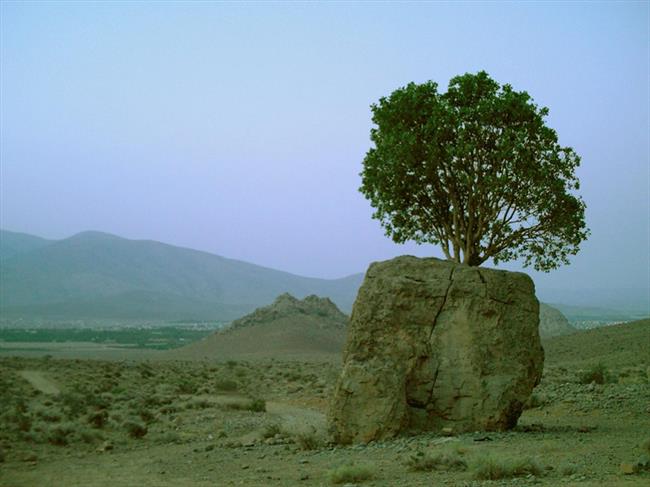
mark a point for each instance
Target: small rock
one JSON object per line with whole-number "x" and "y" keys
{"x": 106, "y": 446}
{"x": 447, "y": 431}
{"x": 304, "y": 476}
{"x": 628, "y": 468}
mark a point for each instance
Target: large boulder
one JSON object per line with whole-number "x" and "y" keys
{"x": 433, "y": 344}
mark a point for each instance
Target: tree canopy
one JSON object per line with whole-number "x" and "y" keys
{"x": 476, "y": 171}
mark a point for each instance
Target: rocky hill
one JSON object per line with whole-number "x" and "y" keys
{"x": 552, "y": 322}
{"x": 289, "y": 328}
{"x": 288, "y": 307}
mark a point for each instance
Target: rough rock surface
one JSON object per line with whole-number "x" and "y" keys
{"x": 431, "y": 345}
{"x": 552, "y": 322}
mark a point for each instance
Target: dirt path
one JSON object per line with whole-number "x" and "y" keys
{"x": 294, "y": 418}
{"x": 297, "y": 418}
{"x": 41, "y": 383}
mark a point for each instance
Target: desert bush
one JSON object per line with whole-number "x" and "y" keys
{"x": 90, "y": 436}
{"x": 168, "y": 437}
{"x": 98, "y": 419}
{"x": 135, "y": 429}
{"x": 493, "y": 468}
{"x": 254, "y": 405}
{"x": 293, "y": 376}
{"x": 61, "y": 434}
{"x": 186, "y": 387}
{"x": 226, "y": 385}
{"x": 646, "y": 446}
{"x": 308, "y": 440}
{"x": 23, "y": 421}
{"x": 536, "y": 400}
{"x": 74, "y": 403}
{"x": 168, "y": 409}
{"x": 429, "y": 461}
{"x": 257, "y": 405}
{"x": 596, "y": 373}
{"x": 146, "y": 415}
{"x": 198, "y": 403}
{"x": 271, "y": 430}
{"x": 351, "y": 473}
{"x": 568, "y": 469}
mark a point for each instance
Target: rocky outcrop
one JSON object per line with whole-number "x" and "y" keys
{"x": 552, "y": 322}
{"x": 431, "y": 345}
{"x": 287, "y": 306}
{"x": 292, "y": 329}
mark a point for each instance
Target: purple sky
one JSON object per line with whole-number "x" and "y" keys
{"x": 240, "y": 128}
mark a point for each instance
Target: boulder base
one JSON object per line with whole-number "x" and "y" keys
{"x": 432, "y": 345}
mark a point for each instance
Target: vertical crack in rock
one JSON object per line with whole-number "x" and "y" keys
{"x": 480, "y": 276}
{"x": 442, "y": 305}
{"x": 433, "y": 386}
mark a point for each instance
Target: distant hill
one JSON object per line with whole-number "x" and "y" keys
{"x": 97, "y": 275}
{"x": 552, "y": 322}
{"x": 591, "y": 316}
{"x": 614, "y": 346}
{"x": 289, "y": 328}
{"x": 14, "y": 243}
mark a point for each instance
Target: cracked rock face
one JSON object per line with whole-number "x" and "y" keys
{"x": 431, "y": 345}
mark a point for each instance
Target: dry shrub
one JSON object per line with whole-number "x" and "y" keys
{"x": 429, "y": 461}
{"x": 351, "y": 473}
{"x": 493, "y": 468}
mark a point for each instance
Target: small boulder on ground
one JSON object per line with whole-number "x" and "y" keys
{"x": 434, "y": 345}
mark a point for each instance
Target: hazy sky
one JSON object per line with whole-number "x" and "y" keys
{"x": 240, "y": 128}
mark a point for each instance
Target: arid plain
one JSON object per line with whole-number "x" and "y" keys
{"x": 163, "y": 418}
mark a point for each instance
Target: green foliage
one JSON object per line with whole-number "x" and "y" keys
{"x": 98, "y": 419}
{"x": 308, "y": 440}
{"x": 135, "y": 429}
{"x": 226, "y": 385}
{"x": 162, "y": 338}
{"x": 536, "y": 400}
{"x": 351, "y": 473}
{"x": 61, "y": 434}
{"x": 646, "y": 446}
{"x": 186, "y": 387}
{"x": 476, "y": 171}
{"x": 20, "y": 417}
{"x": 271, "y": 430}
{"x": 596, "y": 373}
{"x": 258, "y": 405}
{"x": 568, "y": 469}
{"x": 493, "y": 468}
{"x": 254, "y": 405}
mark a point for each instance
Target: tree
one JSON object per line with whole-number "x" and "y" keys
{"x": 476, "y": 171}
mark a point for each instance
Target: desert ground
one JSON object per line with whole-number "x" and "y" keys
{"x": 161, "y": 419}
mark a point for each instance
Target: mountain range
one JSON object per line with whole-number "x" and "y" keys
{"x": 98, "y": 278}
{"x": 94, "y": 275}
